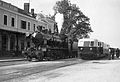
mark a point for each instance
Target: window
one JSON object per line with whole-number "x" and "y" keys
{"x": 99, "y": 44}
{"x": 28, "y": 25}
{"x": 12, "y": 22}
{"x": 34, "y": 27}
{"x": 23, "y": 24}
{"x": 92, "y": 43}
{"x": 86, "y": 43}
{"x": 5, "y": 19}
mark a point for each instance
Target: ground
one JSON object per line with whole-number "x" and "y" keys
{"x": 90, "y": 71}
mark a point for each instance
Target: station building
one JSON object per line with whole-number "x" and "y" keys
{"x": 14, "y": 24}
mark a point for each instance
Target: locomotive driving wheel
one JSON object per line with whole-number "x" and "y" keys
{"x": 29, "y": 58}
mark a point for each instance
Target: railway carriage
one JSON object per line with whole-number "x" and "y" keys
{"x": 92, "y": 49}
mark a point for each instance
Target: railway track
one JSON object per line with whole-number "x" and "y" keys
{"x": 21, "y": 72}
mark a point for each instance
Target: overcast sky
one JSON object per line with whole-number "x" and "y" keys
{"x": 104, "y": 16}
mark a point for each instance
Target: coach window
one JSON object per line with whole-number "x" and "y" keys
{"x": 99, "y": 44}
{"x": 86, "y": 43}
{"x": 92, "y": 44}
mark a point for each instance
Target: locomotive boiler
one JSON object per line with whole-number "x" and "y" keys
{"x": 46, "y": 47}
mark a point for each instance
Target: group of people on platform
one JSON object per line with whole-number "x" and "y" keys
{"x": 114, "y": 52}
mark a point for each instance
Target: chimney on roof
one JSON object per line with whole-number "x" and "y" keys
{"x": 32, "y": 12}
{"x": 26, "y": 7}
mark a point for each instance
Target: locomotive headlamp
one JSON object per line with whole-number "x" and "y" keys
{"x": 22, "y": 52}
{"x": 81, "y": 48}
{"x": 90, "y": 48}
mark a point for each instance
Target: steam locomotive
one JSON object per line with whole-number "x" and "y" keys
{"x": 92, "y": 49}
{"x": 53, "y": 47}
{"x": 47, "y": 47}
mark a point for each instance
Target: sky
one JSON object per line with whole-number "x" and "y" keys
{"x": 104, "y": 16}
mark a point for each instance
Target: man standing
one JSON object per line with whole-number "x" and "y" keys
{"x": 112, "y": 52}
{"x": 111, "y": 56}
{"x": 117, "y": 52}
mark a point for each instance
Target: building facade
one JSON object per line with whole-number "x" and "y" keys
{"x": 14, "y": 24}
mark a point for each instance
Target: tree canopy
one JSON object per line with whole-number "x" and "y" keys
{"x": 76, "y": 24}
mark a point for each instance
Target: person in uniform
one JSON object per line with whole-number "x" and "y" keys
{"x": 112, "y": 52}
{"x": 117, "y": 52}
{"x": 111, "y": 56}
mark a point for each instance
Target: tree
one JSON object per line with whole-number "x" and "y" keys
{"x": 76, "y": 24}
